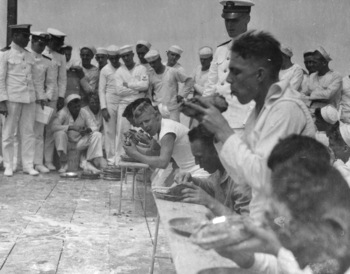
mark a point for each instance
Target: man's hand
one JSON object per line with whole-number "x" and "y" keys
{"x": 76, "y": 128}
{"x": 42, "y": 103}
{"x": 60, "y": 103}
{"x": 183, "y": 177}
{"x": 3, "y": 108}
{"x": 263, "y": 240}
{"x": 85, "y": 131}
{"x": 131, "y": 150}
{"x": 195, "y": 195}
{"x": 143, "y": 138}
{"x": 105, "y": 114}
{"x": 213, "y": 120}
{"x": 79, "y": 71}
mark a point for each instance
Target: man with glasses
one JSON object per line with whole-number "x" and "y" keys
{"x": 19, "y": 90}
{"x": 56, "y": 100}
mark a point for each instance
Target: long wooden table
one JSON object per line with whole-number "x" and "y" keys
{"x": 188, "y": 258}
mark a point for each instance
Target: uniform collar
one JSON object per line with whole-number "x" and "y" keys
{"x": 16, "y": 47}
{"x": 35, "y": 54}
{"x": 276, "y": 91}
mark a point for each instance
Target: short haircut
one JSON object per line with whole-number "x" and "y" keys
{"x": 129, "y": 110}
{"x": 202, "y": 134}
{"x": 144, "y": 107}
{"x": 297, "y": 146}
{"x": 93, "y": 96}
{"x": 308, "y": 53}
{"x": 261, "y": 46}
{"x": 312, "y": 182}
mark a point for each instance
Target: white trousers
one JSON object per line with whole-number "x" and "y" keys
{"x": 39, "y": 143}
{"x": 123, "y": 125}
{"x": 110, "y": 132}
{"x": 20, "y": 116}
{"x": 92, "y": 143}
{"x": 49, "y": 138}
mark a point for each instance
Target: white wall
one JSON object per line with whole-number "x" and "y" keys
{"x": 301, "y": 24}
{"x": 3, "y": 23}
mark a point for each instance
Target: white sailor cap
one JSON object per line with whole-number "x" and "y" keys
{"x": 144, "y": 43}
{"x": 101, "y": 51}
{"x": 152, "y": 55}
{"x": 91, "y": 48}
{"x": 324, "y": 53}
{"x": 205, "y": 52}
{"x": 176, "y": 49}
{"x": 56, "y": 33}
{"x": 235, "y": 8}
{"x": 125, "y": 49}
{"x": 330, "y": 114}
{"x": 113, "y": 50}
{"x": 72, "y": 97}
{"x": 41, "y": 34}
{"x": 287, "y": 50}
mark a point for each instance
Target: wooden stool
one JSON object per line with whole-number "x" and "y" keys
{"x": 124, "y": 174}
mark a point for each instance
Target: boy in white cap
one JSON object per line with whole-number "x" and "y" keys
{"x": 101, "y": 57}
{"x": 131, "y": 83}
{"x": 164, "y": 86}
{"x": 289, "y": 71}
{"x": 237, "y": 16}
{"x": 75, "y": 125}
{"x": 325, "y": 85}
{"x": 56, "y": 101}
{"x": 19, "y": 89}
{"x": 174, "y": 54}
{"x": 44, "y": 68}
{"x": 109, "y": 101}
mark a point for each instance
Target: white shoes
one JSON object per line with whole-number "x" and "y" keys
{"x": 8, "y": 172}
{"x": 63, "y": 168}
{"x": 42, "y": 169}
{"x": 50, "y": 166}
{"x": 31, "y": 171}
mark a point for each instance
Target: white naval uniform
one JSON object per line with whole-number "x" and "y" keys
{"x": 19, "y": 87}
{"x": 138, "y": 83}
{"x": 110, "y": 100}
{"x": 60, "y": 84}
{"x": 44, "y": 70}
{"x": 236, "y": 114}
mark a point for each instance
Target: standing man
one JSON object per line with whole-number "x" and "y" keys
{"x": 56, "y": 101}
{"x": 163, "y": 86}
{"x": 325, "y": 85}
{"x": 142, "y": 47}
{"x": 67, "y": 51}
{"x": 132, "y": 83}
{"x": 109, "y": 101}
{"x": 237, "y": 16}
{"x": 202, "y": 71}
{"x": 292, "y": 72}
{"x": 19, "y": 90}
{"x": 43, "y": 70}
{"x": 174, "y": 55}
{"x": 101, "y": 58}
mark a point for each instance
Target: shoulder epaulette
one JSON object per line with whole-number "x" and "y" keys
{"x": 224, "y": 43}
{"x": 6, "y": 48}
{"x": 46, "y": 57}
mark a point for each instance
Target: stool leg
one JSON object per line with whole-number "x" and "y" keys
{"x": 133, "y": 184}
{"x": 155, "y": 244}
{"x": 121, "y": 189}
{"x": 145, "y": 190}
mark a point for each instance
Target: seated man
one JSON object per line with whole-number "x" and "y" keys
{"x": 75, "y": 126}
{"x": 324, "y": 119}
{"x": 218, "y": 192}
{"x": 94, "y": 109}
{"x": 315, "y": 198}
{"x": 172, "y": 137}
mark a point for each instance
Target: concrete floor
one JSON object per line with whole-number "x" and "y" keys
{"x": 52, "y": 225}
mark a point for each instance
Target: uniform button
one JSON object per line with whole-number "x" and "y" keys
{"x": 225, "y": 70}
{"x": 228, "y": 58}
{"x": 222, "y": 83}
